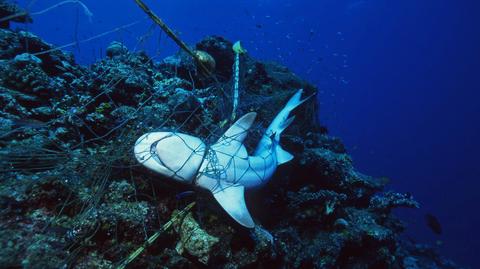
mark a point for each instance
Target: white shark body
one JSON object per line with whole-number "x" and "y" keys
{"x": 224, "y": 168}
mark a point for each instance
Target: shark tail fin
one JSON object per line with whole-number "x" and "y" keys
{"x": 278, "y": 125}
{"x": 282, "y": 127}
{"x": 295, "y": 100}
{"x": 292, "y": 103}
{"x": 284, "y": 156}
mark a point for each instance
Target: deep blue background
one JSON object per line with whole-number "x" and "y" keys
{"x": 398, "y": 82}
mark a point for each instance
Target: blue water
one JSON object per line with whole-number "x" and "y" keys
{"x": 398, "y": 82}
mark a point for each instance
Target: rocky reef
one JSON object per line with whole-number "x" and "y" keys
{"x": 11, "y": 12}
{"x": 73, "y": 196}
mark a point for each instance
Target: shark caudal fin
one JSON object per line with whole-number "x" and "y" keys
{"x": 283, "y": 156}
{"x": 295, "y": 101}
{"x": 278, "y": 125}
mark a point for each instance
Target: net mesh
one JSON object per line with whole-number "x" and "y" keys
{"x": 85, "y": 150}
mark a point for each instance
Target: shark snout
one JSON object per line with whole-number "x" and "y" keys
{"x": 171, "y": 154}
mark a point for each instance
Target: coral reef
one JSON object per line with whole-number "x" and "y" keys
{"x": 12, "y": 12}
{"x": 72, "y": 194}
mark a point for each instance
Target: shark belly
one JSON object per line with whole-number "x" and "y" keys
{"x": 221, "y": 170}
{"x": 259, "y": 171}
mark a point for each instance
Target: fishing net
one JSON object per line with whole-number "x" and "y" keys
{"x": 68, "y": 132}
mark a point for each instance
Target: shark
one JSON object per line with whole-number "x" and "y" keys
{"x": 224, "y": 168}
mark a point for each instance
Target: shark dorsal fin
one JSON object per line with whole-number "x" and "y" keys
{"x": 231, "y": 198}
{"x": 238, "y": 131}
{"x": 231, "y": 141}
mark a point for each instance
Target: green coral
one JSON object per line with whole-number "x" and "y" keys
{"x": 103, "y": 107}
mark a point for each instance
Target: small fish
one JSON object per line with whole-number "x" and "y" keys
{"x": 433, "y": 223}
{"x": 259, "y": 26}
{"x": 184, "y": 194}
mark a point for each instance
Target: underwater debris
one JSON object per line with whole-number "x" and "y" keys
{"x": 202, "y": 58}
{"x": 176, "y": 217}
{"x": 238, "y": 49}
{"x": 31, "y": 160}
{"x": 206, "y": 60}
{"x": 193, "y": 239}
{"x": 221, "y": 50}
{"x": 84, "y": 7}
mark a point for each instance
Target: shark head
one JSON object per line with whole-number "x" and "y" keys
{"x": 171, "y": 154}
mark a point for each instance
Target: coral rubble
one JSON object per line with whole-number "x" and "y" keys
{"x": 72, "y": 194}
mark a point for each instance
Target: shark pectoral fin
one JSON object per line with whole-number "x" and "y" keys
{"x": 232, "y": 199}
{"x": 283, "y": 156}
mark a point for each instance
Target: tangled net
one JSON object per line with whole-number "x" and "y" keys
{"x": 77, "y": 169}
